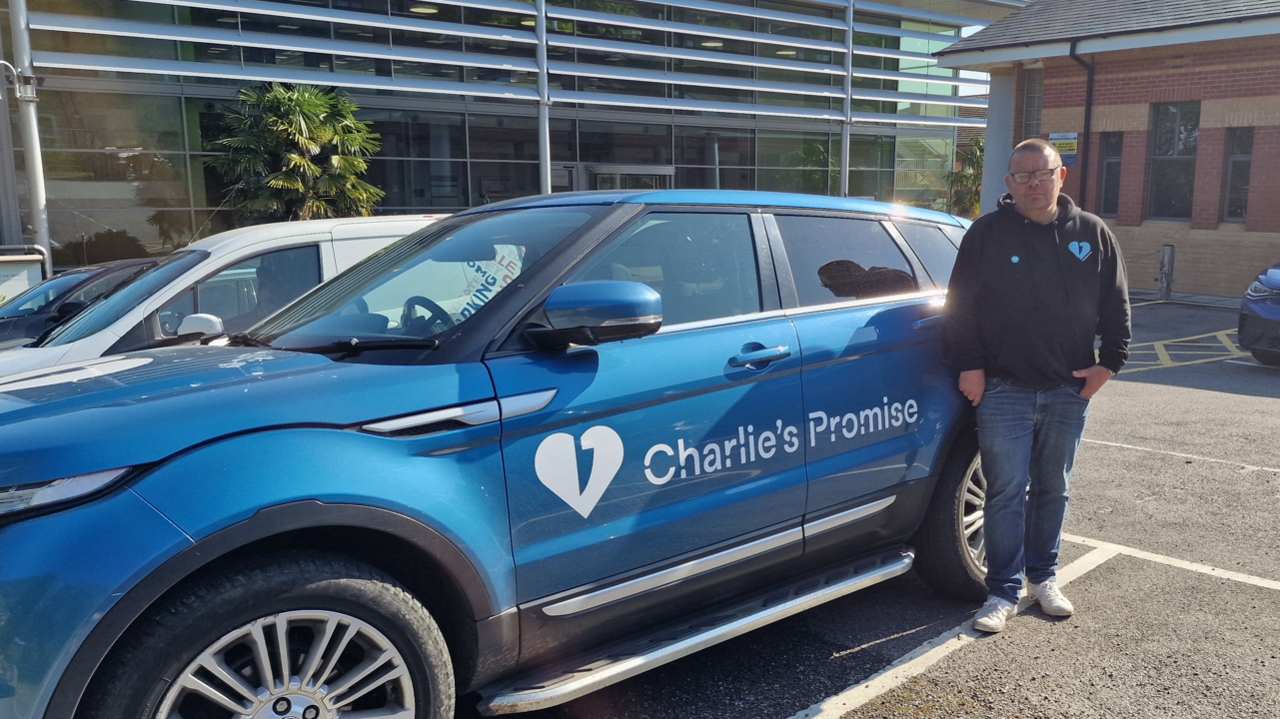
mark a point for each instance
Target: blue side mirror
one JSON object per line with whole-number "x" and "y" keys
{"x": 590, "y": 313}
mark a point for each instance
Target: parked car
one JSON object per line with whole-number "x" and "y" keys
{"x": 30, "y": 314}
{"x": 529, "y": 451}
{"x": 239, "y": 276}
{"x": 1259, "y": 330}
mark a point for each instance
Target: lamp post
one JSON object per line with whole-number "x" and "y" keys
{"x": 25, "y": 87}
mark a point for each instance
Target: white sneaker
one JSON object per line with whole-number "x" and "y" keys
{"x": 993, "y": 615}
{"x": 1051, "y": 600}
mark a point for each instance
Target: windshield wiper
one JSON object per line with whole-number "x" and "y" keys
{"x": 354, "y": 346}
{"x": 242, "y": 339}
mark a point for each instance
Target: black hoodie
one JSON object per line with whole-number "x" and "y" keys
{"x": 1026, "y": 300}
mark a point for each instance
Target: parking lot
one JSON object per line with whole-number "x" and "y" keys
{"x": 1173, "y": 563}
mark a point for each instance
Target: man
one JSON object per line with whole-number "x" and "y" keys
{"x": 1033, "y": 284}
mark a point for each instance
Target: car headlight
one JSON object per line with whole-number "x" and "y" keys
{"x": 26, "y": 496}
{"x": 1257, "y": 289}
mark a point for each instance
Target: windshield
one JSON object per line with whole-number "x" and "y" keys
{"x": 426, "y": 284}
{"x": 42, "y": 296}
{"x": 111, "y": 307}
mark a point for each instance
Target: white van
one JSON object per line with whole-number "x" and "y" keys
{"x": 239, "y": 276}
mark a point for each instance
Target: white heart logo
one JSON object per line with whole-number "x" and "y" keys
{"x": 556, "y": 463}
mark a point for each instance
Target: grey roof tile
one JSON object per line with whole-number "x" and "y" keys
{"x": 1046, "y": 21}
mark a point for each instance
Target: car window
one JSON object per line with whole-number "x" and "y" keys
{"x": 428, "y": 283}
{"x": 955, "y": 234}
{"x": 248, "y": 291}
{"x": 836, "y": 259}
{"x": 703, "y": 264}
{"x": 933, "y": 248}
{"x": 99, "y": 287}
{"x": 104, "y": 313}
{"x": 39, "y": 297}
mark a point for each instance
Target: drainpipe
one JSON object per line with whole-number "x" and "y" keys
{"x": 1083, "y": 154}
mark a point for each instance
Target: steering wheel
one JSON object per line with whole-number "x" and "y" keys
{"x": 437, "y": 313}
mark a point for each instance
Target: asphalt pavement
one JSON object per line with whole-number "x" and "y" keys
{"x": 1174, "y": 569}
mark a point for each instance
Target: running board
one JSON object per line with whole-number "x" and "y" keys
{"x": 628, "y": 660}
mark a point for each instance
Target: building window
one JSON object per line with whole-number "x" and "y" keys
{"x": 1239, "y": 162}
{"x": 1031, "y": 104}
{"x": 1175, "y": 129}
{"x": 1112, "y": 144}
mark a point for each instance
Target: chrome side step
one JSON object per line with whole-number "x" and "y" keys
{"x": 701, "y": 632}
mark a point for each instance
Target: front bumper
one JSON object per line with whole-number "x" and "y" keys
{"x": 1259, "y": 328}
{"x": 60, "y": 573}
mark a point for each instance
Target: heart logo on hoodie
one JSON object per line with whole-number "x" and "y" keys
{"x": 556, "y": 464}
{"x": 1080, "y": 249}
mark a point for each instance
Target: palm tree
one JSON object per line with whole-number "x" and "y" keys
{"x": 295, "y": 152}
{"x": 966, "y": 185}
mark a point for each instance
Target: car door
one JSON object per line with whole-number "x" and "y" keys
{"x": 876, "y": 396}
{"x": 659, "y": 449}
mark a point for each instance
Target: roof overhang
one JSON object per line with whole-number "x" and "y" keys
{"x": 989, "y": 58}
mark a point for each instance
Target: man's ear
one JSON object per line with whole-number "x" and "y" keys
{"x": 1008, "y": 183}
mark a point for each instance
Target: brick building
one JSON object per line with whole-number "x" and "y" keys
{"x": 1176, "y": 110}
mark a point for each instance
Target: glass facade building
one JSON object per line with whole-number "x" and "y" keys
{"x": 733, "y": 94}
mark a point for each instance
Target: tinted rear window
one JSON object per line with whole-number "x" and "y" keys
{"x": 836, "y": 259}
{"x": 933, "y": 248}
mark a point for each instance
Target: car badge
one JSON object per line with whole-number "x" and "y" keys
{"x": 556, "y": 464}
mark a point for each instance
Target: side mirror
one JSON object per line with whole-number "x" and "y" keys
{"x": 65, "y": 311}
{"x": 200, "y": 324}
{"x": 591, "y": 313}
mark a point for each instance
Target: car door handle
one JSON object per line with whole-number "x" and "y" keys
{"x": 760, "y": 356}
{"x": 926, "y": 322}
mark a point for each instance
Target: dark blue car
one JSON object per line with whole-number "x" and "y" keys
{"x": 45, "y": 305}
{"x": 1259, "y": 330}
{"x": 532, "y": 450}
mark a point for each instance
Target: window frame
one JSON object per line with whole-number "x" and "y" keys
{"x": 786, "y": 280}
{"x": 1033, "y": 76}
{"x": 1157, "y": 163}
{"x": 1232, "y": 162}
{"x": 1110, "y": 164}
{"x": 770, "y": 301}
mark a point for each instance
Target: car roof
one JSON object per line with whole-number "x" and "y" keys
{"x": 231, "y": 239}
{"x": 721, "y": 197}
{"x": 105, "y": 267}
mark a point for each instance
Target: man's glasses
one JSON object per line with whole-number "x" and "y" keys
{"x": 1022, "y": 178}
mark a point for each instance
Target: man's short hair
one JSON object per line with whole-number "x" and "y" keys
{"x": 1037, "y": 145}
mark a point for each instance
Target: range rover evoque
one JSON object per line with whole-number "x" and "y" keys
{"x": 529, "y": 451}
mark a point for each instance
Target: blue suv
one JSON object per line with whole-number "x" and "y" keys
{"x": 534, "y": 449}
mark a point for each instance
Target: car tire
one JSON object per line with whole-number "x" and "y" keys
{"x": 1267, "y": 358}
{"x": 950, "y": 554}
{"x": 355, "y": 639}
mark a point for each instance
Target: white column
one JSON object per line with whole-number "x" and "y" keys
{"x": 999, "y": 141}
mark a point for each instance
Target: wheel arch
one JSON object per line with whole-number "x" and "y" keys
{"x": 964, "y": 424}
{"x": 482, "y": 639}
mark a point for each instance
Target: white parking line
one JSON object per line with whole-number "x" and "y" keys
{"x": 931, "y": 652}
{"x": 935, "y": 650}
{"x": 1248, "y": 467}
{"x": 1171, "y": 561}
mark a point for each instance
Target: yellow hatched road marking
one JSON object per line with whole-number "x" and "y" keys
{"x": 1205, "y": 348}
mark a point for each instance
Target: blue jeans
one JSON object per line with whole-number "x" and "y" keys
{"x": 1027, "y": 437}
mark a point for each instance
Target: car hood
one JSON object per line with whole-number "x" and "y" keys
{"x": 1271, "y": 278}
{"x": 138, "y": 408}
